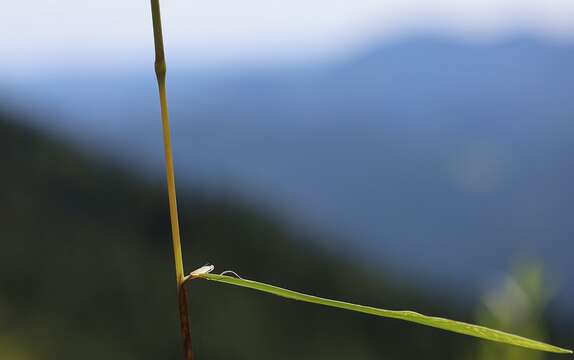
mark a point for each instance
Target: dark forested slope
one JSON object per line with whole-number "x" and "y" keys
{"x": 86, "y": 271}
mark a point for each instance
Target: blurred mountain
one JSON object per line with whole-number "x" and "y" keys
{"x": 86, "y": 271}
{"x": 445, "y": 157}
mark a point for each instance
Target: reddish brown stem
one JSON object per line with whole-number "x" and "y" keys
{"x": 184, "y": 323}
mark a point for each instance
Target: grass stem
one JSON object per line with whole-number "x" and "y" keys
{"x": 160, "y": 71}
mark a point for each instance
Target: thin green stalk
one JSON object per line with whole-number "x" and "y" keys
{"x": 160, "y": 71}
{"x": 437, "y": 322}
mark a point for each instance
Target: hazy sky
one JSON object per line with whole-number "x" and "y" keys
{"x": 98, "y": 32}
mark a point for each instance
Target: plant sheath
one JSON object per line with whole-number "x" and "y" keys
{"x": 160, "y": 71}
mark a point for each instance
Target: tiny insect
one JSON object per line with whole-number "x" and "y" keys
{"x": 205, "y": 269}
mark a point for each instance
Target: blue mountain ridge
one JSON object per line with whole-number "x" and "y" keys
{"x": 445, "y": 158}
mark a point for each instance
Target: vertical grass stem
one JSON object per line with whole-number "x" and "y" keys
{"x": 160, "y": 71}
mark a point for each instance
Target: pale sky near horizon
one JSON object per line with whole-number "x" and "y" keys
{"x": 57, "y": 33}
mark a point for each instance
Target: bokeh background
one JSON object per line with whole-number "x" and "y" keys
{"x": 402, "y": 154}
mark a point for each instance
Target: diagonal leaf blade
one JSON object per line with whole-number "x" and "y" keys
{"x": 437, "y": 322}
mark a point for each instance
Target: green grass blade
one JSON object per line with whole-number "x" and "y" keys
{"x": 437, "y": 322}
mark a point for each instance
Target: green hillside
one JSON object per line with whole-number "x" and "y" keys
{"x": 86, "y": 272}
